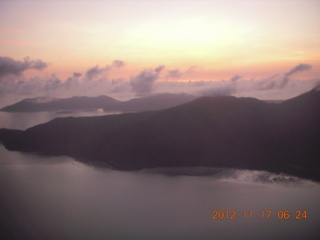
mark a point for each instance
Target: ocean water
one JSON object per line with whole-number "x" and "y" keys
{"x": 60, "y": 198}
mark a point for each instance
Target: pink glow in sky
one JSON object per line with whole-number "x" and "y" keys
{"x": 216, "y": 39}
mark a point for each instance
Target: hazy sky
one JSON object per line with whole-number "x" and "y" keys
{"x": 195, "y": 40}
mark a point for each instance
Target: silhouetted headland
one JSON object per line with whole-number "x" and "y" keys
{"x": 223, "y": 131}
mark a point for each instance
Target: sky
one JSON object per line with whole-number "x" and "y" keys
{"x": 123, "y": 47}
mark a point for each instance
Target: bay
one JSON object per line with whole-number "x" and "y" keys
{"x": 60, "y": 198}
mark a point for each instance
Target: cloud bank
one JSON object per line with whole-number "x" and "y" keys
{"x": 143, "y": 83}
{"x": 97, "y": 81}
{"x": 9, "y": 66}
{"x": 174, "y": 74}
{"x": 299, "y": 68}
{"x": 224, "y": 88}
{"x": 95, "y": 71}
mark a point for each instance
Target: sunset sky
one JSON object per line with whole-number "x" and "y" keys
{"x": 193, "y": 40}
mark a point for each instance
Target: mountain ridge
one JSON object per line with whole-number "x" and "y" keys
{"x": 153, "y": 102}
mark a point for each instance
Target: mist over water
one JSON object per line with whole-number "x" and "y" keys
{"x": 59, "y": 198}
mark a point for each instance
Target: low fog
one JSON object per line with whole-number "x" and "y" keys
{"x": 14, "y": 86}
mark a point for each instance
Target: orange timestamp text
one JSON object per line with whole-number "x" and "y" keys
{"x": 265, "y": 214}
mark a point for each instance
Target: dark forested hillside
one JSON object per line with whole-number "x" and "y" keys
{"x": 209, "y": 131}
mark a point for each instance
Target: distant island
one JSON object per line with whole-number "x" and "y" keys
{"x": 224, "y": 132}
{"x": 108, "y": 104}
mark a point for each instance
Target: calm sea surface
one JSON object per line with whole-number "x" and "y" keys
{"x": 59, "y": 198}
